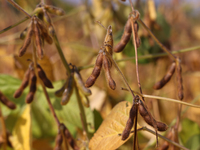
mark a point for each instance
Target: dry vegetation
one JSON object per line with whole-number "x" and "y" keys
{"x": 81, "y": 39}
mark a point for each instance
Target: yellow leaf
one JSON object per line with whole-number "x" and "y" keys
{"x": 107, "y": 136}
{"x": 21, "y": 135}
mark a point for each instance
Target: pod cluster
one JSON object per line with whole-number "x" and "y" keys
{"x": 43, "y": 12}
{"x": 67, "y": 89}
{"x": 146, "y": 115}
{"x": 6, "y": 101}
{"x": 174, "y": 66}
{"x": 30, "y": 79}
{"x": 104, "y": 58}
{"x": 64, "y": 134}
{"x": 38, "y": 31}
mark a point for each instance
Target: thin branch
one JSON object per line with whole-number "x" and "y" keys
{"x": 43, "y": 87}
{"x": 19, "y": 8}
{"x": 122, "y": 75}
{"x": 170, "y": 141}
{"x": 150, "y": 56}
{"x": 82, "y": 112}
{"x": 157, "y": 41}
{"x": 164, "y": 98}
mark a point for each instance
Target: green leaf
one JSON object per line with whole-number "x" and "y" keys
{"x": 189, "y": 129}
{"x": 193, "y": 142}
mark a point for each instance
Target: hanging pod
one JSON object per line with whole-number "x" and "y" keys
{"x": 68, "y": 90}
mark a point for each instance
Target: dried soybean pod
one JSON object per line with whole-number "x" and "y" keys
{"x": 149, "y": 119}
{"x": 58, "y": 141}
{"x": 179, "y": 79}
{"x": 23, "y": 85}
{"x": 70, "y": 139}
{"x": 33, "y": 87}
{"x": 108, "y": 42}
{"x": 43, "y": 77}
{"x": 107, "y": 68}
{"x": 166, "y": 78}
{"x": 137, "y": 39}
{"x": 54, "y": 10}
{"x": 38, "y": 40}
{"x": 6, "y": 102}
{"x": 125, "y": 37}
{"x": 27, "y": 40}
{"x": 44, "y": 32}
{"x": 68, "y": 90}
{"x": 96, "y": 71}
{"x": 130, "y": 122}
{"x": 59, "y": 92}
{"x": 80, "y": 84}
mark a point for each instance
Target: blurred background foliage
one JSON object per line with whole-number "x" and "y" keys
{"x": 175, "y": 23}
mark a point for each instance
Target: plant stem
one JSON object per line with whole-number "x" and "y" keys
{"x": 19, "y": 8}
{"x": 12, "y": 26}
{"x": 148, "y": 56}
{"x": 122, "y": 75}
{"x": 157, "y": 41}
{"x": 164, "y": 98}
{"x": 4, "y": 132}
{"x": 136, "y": 56}
{"x": 82, "y": 112}
{"x": 172, "y": 142}
{"x": 43, "y": 87}
{"x": 62, "y": 57}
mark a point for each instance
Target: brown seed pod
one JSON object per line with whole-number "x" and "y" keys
{"x": 23, "y": 85}
{"x": 6, "y": 102}
{"x": 179, "y": 79}
{"x": 27, "y": 40}
{"x": 96, "y": 71}
{"x": 59, "y": 92}
{"x": 149, "y": 119}
{"x": 44, "y": 32}
{"x": 108, "y": 42}
{"x": 130, "y": 122}
{"x": 33, "y": 87}
{"x": 80, "y": 84}
{"x": 58, "y": 141}
{"x": 54, "y": 10}
{"x": 43, "y": 77}
{"x": 69, "y": 138}
{"x": 107, "y": 68}
{"x": 125, "y": 37}
{"x": 137, "y": 39}
{"x": 68, "y": 90}
{"x": 166, "y": 78}
{"x": 38, "y": 40}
